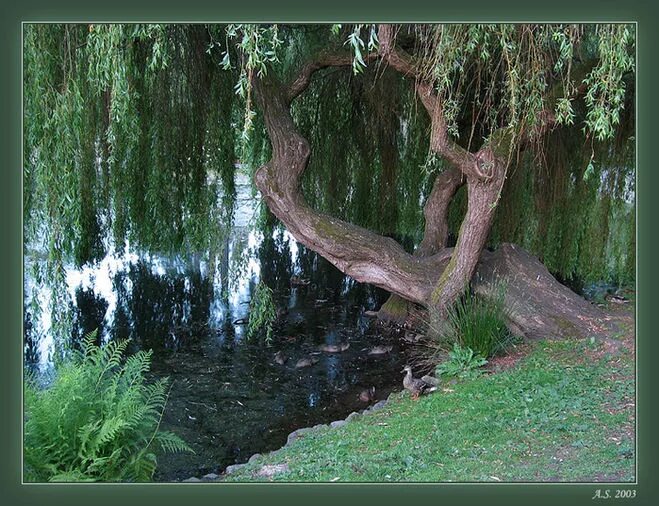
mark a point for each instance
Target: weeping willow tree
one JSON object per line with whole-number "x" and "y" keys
{"x": 398, "y": 153}
{"x": 489, "y": 93}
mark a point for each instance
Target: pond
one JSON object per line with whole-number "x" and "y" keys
{"x": 230, "y": 398}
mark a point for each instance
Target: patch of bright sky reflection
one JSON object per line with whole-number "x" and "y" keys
{"x": 243, "y": 275}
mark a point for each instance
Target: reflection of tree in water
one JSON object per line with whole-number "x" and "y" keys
{"x": 160, "y": 310}
{"x": 335, "y": 373}
{"x": 229, "y": 398}
{"x": 275, "y": 259}
{"x": 89, "y": 315}
{"x": 332, "y": 284}
{"x": 31, "y": 340}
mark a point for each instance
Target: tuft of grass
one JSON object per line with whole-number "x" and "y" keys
{"x": 473, "y": 330}
{"x": 98, "y": 421}
{"x": 564, "y": 413}
{"x": 479, "y": 323}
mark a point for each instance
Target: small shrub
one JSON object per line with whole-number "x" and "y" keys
{"x": 98, "y": 421}
{"x": 473, "y": 322}
{"x": 462, "y": 363}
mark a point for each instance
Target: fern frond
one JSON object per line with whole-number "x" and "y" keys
{"x": 89, "y": 343}
{"x": 71, "y": 476}
{"x": 100, "y": 465}
{"x": 137, "y": 365}
{"x": 98, "y": 419}
{"x": 171, "y": 443}
{"x": 142, "y": 467}
{"x": 134, "y": 412}
{"x": 85, "y": 437}
{"x": 108, "y": 431}
{"x": 155, "y": 395}
{"x": 110, "y": 357}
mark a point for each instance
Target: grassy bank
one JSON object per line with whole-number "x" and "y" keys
{"x": 563, "y": 412}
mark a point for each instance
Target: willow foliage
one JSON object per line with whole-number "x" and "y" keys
{"x": 128, "y": 139}
{"x": 263, "y": 313}
{"x": 128, "y": 136}
{"x": 508, "y": 74}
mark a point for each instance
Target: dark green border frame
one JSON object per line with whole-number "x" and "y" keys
{"x": 335, "y": 11}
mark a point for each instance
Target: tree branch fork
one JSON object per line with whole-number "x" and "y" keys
{"x": 435, "y": 275}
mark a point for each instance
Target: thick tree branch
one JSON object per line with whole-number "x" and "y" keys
{"x": 504, "y": 138}
{"x": 358, "y": 252}
{"x": 485, "y": 172}
{"x": 301, "y": 82}
{"x": 396, "y": 58}
{"x": 435, "y": 235}
{"x": 440, "y": 141}
{"x": 435, "y": 212}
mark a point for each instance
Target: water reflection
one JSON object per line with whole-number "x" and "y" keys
{"x": 229, "y": 398}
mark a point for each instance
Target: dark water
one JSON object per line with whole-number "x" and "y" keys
{"x": 229, "y": 398}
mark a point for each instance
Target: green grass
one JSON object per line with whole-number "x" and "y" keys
{"x": 564, "y": 413}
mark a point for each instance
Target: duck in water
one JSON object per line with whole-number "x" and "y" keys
{"x": 367, "y": 395}
{"x": 334, "y": 348}
{"x": 380, "y": 350}
{"x": 306, "y": 362}
{"x": 280, "y": 358}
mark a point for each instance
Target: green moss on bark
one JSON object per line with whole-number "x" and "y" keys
{"x": 394, "y": 310}
{"x": 435, "y": 298}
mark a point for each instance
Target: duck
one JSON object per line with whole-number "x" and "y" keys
{"x": 415, "y": 386}
{"x": 280, "y": 358}
{"x": 306, "y": 362}
{"x": 617, "y": 299}
{"x": 380, "y": 350}
{"x": 299, "y": 281}
{"x": 367, "y": 395}
{"x": 411, "y": 337}
{"x": 334, "y": 348}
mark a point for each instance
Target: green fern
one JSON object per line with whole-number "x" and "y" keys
{"x": 99, "y": 420}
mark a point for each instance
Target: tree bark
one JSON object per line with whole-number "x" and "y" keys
{"x": 538, "y": 305}
{"x": 358, "y": 252}
{"x": 435, "y": 235}
{"x": 435, "y": 275}
{"x": 481, "y": 203}
{"x": 435, "y": 212}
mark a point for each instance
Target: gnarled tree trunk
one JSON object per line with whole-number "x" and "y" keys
{"x": 538, "y": 305}
{"x": 435, "y": 235}
{"x": 435, "y": 275}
